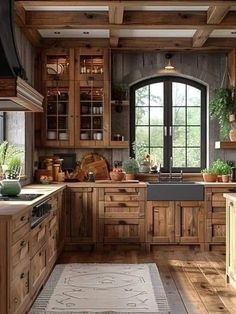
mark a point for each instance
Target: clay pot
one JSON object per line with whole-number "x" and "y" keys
{"x": 207, "y": 177}
{"x": 130, "y": 176}
{"x": 225, "y": 178}
{"x": 232, "y": 135}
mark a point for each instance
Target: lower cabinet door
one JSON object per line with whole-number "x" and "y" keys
{"x": 121, "y": 230}
{"x": 38, "y": 269}
{"x": 52, "y": 247}
{"x": 20, "y": 289}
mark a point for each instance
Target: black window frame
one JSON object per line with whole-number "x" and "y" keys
{"x": 167, "y": 81}
{"x": 2, "y": 126}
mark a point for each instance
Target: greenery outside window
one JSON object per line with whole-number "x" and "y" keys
{"x": 168, "y": 119}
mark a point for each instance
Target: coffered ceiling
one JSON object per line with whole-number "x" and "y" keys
{"x": 159, "y": 25}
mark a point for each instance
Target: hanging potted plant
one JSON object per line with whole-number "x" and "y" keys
{"x": 223, "y": 108}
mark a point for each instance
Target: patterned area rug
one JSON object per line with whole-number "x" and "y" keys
{"x": 102, "y": 288}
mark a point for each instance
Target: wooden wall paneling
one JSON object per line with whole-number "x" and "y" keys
{"x": 4, "y": 267}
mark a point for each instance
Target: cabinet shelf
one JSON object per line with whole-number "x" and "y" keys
{"x": 120, "y": 102}
{"x": 225, "y": 145}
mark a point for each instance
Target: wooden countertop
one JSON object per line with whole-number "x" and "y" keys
{"x": 230, "y": 196}
{"x": 11, "y": 208}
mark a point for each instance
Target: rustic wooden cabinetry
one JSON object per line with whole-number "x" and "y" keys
{"x": 76, "y": 88}
{"x": 170, "y": 222}
{"x": 121, "y": 215}
{"x": 231, "y": 242}
{"x": 27, "y": 255}
{"x": 215, "y": 232}
{"x": 81, "y": 216}
{"x": 58, "y": 88}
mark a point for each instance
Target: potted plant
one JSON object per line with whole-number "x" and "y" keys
{"x": 209, "y": 175}
{"x": 222, "y": 169}
{"x": 223, "y": 108}
{"x": 130, "y": 167}
{"x": 119, "y": 92}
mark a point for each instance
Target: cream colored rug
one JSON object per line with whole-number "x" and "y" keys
{"x": 102, "y": 288}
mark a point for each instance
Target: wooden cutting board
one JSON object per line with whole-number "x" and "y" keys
{"x": 99, "y": 168}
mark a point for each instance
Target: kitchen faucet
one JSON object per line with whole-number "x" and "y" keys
{"x": 170, "y": 169}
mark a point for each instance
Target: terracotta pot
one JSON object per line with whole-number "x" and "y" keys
{"x": 209, "y": 177}
{"x": 219, "y": 178}
{"x": 232, "y": 135}
{"x": 130, "y": 176}
{"x": 225, "y": 178}
{"x": 232, "y": 118}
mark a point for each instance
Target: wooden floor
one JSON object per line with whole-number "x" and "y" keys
{"x": 194, "y": 281}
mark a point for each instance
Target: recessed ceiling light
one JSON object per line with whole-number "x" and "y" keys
{"x": 57, "y": 33}
{"x": 86, "y": 33}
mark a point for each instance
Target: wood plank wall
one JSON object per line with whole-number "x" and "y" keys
{"x": 210, "y": 68}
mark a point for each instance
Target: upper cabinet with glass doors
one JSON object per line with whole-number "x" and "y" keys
{"x": 91, "y": 97}
{"x": 58, "y": 119}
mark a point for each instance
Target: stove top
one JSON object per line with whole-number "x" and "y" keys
{"x": 20, "y": 197}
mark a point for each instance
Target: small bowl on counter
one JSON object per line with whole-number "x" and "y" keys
{"x": 117, "y": 176}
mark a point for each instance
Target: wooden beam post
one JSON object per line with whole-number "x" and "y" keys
{"x": 116, "y": 13}
{"x": 231, "y": 62}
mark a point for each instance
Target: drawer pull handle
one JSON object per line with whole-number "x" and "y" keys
{"x": 232, "y": 190}
{"x": 23, "y": 243}
{"x": 16, "y": 300}
{"x": 122, "y": 204}
{"x": 22, "y": 276}
{"x": 231, "y": 204}
{"x": 122, "y": 222}
{"x": 22, "y": 218}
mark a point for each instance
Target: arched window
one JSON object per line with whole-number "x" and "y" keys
{"x": 168, "y": 119}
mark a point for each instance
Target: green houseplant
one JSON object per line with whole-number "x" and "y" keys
{"x": 119, "y": 92}
{"x": 209, "y": 175}
{"x": 221, "y": 107}
{"x": 222, "y": 169}
{"x": 10, "y": 160}
{"x": 130, "y": 167}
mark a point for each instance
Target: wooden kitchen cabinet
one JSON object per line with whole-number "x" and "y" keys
{"x": 189, "y": 222}
{"x": 121, "y": 215}
{"x": 160, "y": 222}
{"x": 231, "y": 242}
{"x": 27, "y": 255}
{"x": 215, "y": 216}
{"x": 170, "y": 222}
{"x": 81, "y": 216}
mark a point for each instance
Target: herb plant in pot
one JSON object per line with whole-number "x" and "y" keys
{"x": 223, "y": 108}
{"x": 209, "y": 175}
{"x": 222, "y": 169}
{"x": 130, "y": 167}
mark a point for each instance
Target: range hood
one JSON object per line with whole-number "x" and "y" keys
{"x": 15, "y": 93}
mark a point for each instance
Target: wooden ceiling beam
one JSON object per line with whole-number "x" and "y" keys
{"x": 131, "y": 20}
{"x": 164, "y": 44}
{"x": 31, "y": 34}
{"x": 215, "y": 15}
{"x": 116, "y": 13}
{"x": 129, "y": 3}
{"x": 114, "y": 38}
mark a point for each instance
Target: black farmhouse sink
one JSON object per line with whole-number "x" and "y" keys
{"x": 175, "y": 191}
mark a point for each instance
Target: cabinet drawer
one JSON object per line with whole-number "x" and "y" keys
{"x": 38, "y": 269}
{"x": 20, "y": 289}
{"x": 121, "y": 197}
{"x": 122, "y": 190}
{"x": 121, "y": 210}
{"x": 20, "y": 250}
{"x": 21, "y": 220}
{"x": 53, "y": 221}
{"x": 121, "y": 230}
{"x": 38, "y": 237}
{"x": 218, "y": 200}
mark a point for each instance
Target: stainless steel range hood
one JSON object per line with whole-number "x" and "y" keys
{"x": 15, "y": 93}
